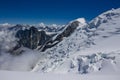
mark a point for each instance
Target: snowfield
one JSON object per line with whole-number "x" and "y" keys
{"x": 9, "y": 75}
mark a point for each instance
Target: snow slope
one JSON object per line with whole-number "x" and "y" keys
{"x": 105, "y": 32}
{"x": 6, "y": 75}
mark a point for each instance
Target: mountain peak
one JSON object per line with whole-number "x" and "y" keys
{"x": 110, "y": 13}
{"x": 105, "y": 17}
{"x": 6, "y": 25}
{"x": 81, "y": 20}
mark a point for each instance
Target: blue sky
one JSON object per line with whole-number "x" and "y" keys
{"x": 52, "y": 11}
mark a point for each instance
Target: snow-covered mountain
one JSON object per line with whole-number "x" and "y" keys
{"x": 75, "y": 42}
{"x": 99, "y": 38}
{"x": 80, "y": 47}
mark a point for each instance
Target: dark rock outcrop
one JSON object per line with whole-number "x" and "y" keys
{"x": 68, "y": 31}
{"x": 32, "y": 38}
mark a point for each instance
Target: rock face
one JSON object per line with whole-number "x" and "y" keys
{"x": 68, "y": 31}
{"x": 34, "y": 39}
